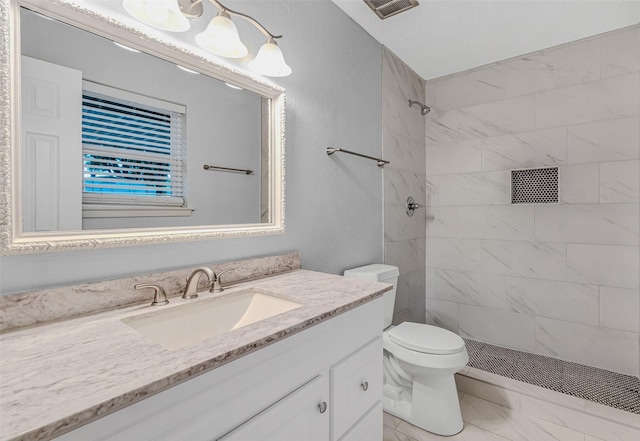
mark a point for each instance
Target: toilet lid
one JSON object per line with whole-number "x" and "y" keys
{"x": 425, "y": 338}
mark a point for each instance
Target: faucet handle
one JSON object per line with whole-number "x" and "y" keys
{"x": 159, "y": 296}
{"x": 216, "y": 285}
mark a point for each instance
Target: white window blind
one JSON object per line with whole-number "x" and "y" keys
{"x": 132, "y": 147}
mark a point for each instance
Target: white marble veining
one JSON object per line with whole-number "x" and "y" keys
{"x": 456, "y": 157}
{"x": 601, "y": 347}
{"x": 607, "y": 224}
{"x": 621, "y": 52}
{"x": 521, "y": 428}
{"x": 579, "y": 421}
{"x": 456, "y": 254}
{"x": 486, "y": 391}
{"x": 505, "y": 383}
{"x": 524, "y": 150}
{"x": 442, "y": 127}
{"x": 442, "y": 313}
{"x": 407, "y": 255}
{"x": 442, "y": 222}
{"x": 471, "y": 288}
{"x": 620, "y": 181}
{"x": 475, "y": 87}
{"x": 400, "y": 227}
{"x": 396, "y": 185}
{"x": 431, "y": 282}
{"x": 602, "y": 141}
{"x": 579, "y": 184}
{"x": 506, "y": 222}
{"x": 408, "y": 284}
{"x": 505, "y": 328}
{"x": 609, "y": 98}
{"x": 403, "y": 149}
{"x": 403, "y": 143}
{"x": 575, "y": 107}
{"x": 573, "y": 412}
{"x": 557, "y": 67}
{"x": 572, "y": 302}
{"x": 498, "y": 118}
{"x": 619, "y": 308}
{"x": 486, "y": 188}
{"x": 606, "y": 265}
{"x": 544, "y": 260}
{"x": 433, "y": 192}
{"x": 63, "y": 374}
{"x": 29, "y": 308}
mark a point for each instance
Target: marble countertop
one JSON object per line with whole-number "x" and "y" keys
{"x": 59, "y": 376}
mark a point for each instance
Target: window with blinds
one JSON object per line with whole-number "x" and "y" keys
{"x": 132, "y": 148}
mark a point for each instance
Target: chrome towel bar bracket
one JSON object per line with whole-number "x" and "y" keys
{"x": 381, "y": 162}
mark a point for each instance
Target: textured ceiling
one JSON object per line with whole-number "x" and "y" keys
{"x": 441, "y": 37}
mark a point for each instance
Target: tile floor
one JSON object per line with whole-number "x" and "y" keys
{"x": 497, "y": 408}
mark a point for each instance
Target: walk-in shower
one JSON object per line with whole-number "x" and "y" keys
{"x": 424, "y": 109}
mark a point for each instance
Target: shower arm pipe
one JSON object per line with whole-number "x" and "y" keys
{"x": 381, "y": 162}
{"x": 251, "y": 20}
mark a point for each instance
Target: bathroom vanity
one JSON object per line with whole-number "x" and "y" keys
{"x": 311, "y": 373}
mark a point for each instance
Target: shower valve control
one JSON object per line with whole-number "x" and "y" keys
{"x": 411, "y": 206}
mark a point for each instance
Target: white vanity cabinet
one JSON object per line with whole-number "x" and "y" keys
{"x": 302, "y": 415}
{"x": 323, "y": 383}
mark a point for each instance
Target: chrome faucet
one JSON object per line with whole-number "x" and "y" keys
{"x": 159, "y": 295}
{"x": 191, "y": 290}
{"x": 216, "y": 285}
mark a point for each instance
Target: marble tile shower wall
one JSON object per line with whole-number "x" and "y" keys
{"x": 403, "y": 143}
{"x": 556, "y": 279}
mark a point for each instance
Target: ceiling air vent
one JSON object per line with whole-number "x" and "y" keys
{"x": 387, "y": 8}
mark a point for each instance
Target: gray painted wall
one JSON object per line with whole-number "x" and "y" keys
{"x": 334, "y": 204}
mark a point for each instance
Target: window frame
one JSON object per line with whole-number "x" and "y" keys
{"x": 119, "y": 205}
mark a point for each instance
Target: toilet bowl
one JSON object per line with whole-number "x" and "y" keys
{"x": 419, "y": 364}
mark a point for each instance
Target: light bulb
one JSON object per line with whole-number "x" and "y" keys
{"x": 161, "y": 14}
{"x": 270, "y": 61}
{"x": 221, "y": 38}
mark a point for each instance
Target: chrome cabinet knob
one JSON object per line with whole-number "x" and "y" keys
{"x": 364, "y": 385}
{"x": 322, "y": 407}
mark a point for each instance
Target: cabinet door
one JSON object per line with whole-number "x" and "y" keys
{"x": 302, "y": 415}
{"x": 356, "y": 385}
{"x": 369, "y": 428}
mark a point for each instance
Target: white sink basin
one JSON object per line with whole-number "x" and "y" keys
{"x": 182, "y": 326}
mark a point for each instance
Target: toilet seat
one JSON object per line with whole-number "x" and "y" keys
{"x": 426, "y": 339}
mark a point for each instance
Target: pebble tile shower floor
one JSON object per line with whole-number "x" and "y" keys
{"x": 599, "y": 385}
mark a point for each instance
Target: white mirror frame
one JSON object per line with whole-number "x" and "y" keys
{"x": 12, "y": 239}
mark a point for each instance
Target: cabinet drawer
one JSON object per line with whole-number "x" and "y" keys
{"x": 369, "y": 428}
{"x": 299, "y": 416}
{"x": 356, "y": 385}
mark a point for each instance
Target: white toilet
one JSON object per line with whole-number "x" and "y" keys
{"x": 419, "y": 363}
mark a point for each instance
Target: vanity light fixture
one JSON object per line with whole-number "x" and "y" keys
{"x": 221, "y": 35}
{"x": 161, "y": 14}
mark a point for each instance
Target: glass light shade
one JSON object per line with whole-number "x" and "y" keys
{"x": 270, "y": 61}
{"x": 161, "y": 14}
{"x": 221, "y": 38}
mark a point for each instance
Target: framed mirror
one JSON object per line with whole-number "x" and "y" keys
{"x": 113, "y": 135}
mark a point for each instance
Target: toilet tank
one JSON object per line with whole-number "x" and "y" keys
{"x": 380, "y": 273}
